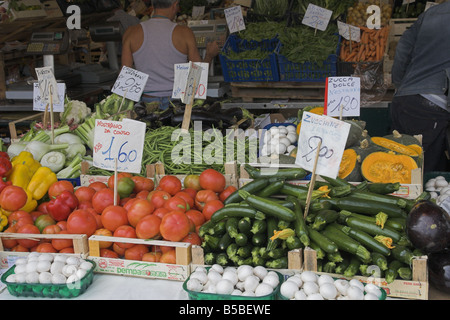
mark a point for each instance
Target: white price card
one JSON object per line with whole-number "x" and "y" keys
{"x": 235, "y": 20}
{"x": 121, "y": 140}
{"x": 39, "y": 105}
{"x": 198, "y": 11}
{"x": 342, "y": 96}
{"x": 181, "y": 78}
{"x": 349, "y": 32}
{"x": 130, "y": 84}
{"x": 317, "y": 17}
{"x": 331, "y": 134}
{"x": 47, "y": 85}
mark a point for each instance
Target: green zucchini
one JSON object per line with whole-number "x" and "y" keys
{"x": 280, "y": 263}
{"x": 365, "y": 239}
{"x": 337, "y": 182}
{"x": 369, "y": 207}
{"x": 290, "y": 189}
{"x": 224, "y": 242}
{"x": 324, "y": 217}
{"x": 293, "y": 243}
{"x": 279, "y": 173}
{"x": 366, "y": 195}
{"x": 258, "y": 226}
{"x": 372, "y": 229}
{"x": 245, "y": 225}
{"x": 259, "y": 239}
{"x": 245, "y": 251}
{"x": 301, "y": 231}
{"x": 340, "y": 191}
{"x": 346, "y": 243}
{"x": 232, "y": 250}
{"x": 335, "y": 257}
{"x": 383, "y": 188}
{"x": 353, "y": 267}
{"x": 341, "y": 266}
{"x": 219, "y": 228}
{"x": 210, "y": 258}
{"x": 391, "y": 272}
{"x": 241, "y": 239}
{"x": 211, "y": 242}
{"x": 380, "y": 260}
{"x": 398, "y": 224}
{"x": 329, "y": 267}
{"x": 205, "y": 228}
{"x": 258, "y": 261}
{"x": 236, "y": 212}
{"x": 320, "y": 254}
{"x": 267, "y": 206}
{"x": 282, "y": 224}
{"x": 232, "y": 227}
{"x": 222, "y": 259}
{"x": 271, "y": 189}
{"x": 270, "y": 229}
{"x": 252, "y": 187}
{"x": 277, "y": 253}
{"x": 326, "y": 244}
{"x": 403, "y": 254}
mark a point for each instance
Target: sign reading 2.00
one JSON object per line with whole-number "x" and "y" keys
{"x": 119, "y": 140}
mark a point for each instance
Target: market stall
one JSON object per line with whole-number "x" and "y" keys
{"x": 220, "y": 197}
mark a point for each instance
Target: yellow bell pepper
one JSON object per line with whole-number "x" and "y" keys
{"x": 27, "y": 159}
{"x": 3, "y": 221}
{"x": 5, "y": 212}
{"x": 41, "y": 181}
{"x": 31, "y": 203}
{"x": 20, "y": 175}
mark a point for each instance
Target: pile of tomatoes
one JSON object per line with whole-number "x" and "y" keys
{"x": 173, "y": 211}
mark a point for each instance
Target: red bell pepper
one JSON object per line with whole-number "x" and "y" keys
{"x": 5, "y": 166}
{"x": 62, "y": 206}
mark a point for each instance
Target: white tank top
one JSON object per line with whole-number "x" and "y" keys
{"x": 157, "y": 56}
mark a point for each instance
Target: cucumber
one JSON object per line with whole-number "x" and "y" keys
{"x": 369, "y": 207}
{"x": 324, "y": 217}
{"x": 326, "y": 244}
{"x": 372, "y": 229}
{"x": 279, "y": 173}
{"x": 267, "y": 206}
{"x": 236, "y": 212}
{"x": 365, "y": 239}
{"x": 301, "y": 231}
{"x": 271, "y": 189}
{"x": 346, "y": 243}
{"x": 252, "y": 187}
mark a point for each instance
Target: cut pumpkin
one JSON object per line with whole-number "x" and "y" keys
{"x": 350, "y": 167}
{"x": 397, "y": 147}
{"x": 387, "y": 167}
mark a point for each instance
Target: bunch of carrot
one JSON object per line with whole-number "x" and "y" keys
{"x": 371, "y": 47}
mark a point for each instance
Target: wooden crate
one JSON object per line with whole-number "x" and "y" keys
{"x": 80, "y": 244}
{"x": 133, "y": 268}
{"x": 417, "y": 288}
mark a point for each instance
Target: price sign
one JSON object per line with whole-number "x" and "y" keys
{"x": 130, "y": 84}
{"x": 47, "y": 85}
{"x": 235, "y": 20}
{"x": 39, "y": 105}
{"x": 317, "y": 17}
{"x": 121, "y": 140}
{"x": 342, "y": 97}
{"x": 198, "y": 11}
{"x": 181, "y": 78}
{"x": 349, "y": 32}
{"x": 331, "y": 134}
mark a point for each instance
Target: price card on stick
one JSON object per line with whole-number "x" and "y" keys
{"x": 323, "y": 136}
{"x": 121, "y": 141}
{"x": 349, "y": 32}
{"x": 317, "y": 17}
{"x": 181, "y": 77}
{"x": 234, "y": 18}
{"x": 342, "y": 97}
{"x": 47, "y": 85}
{"x": 39, "y": 105}
{"x": 130, "y": 84}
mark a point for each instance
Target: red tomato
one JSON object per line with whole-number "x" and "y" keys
{"x": 152, "y": 256}
{"x": 148, "y": 227}
{"x": 169, "y": 257}
{"x": 139, "y": 209}
{"x": 187, "y": 197}
{"x": 212, "y": 180}
{"x": 44, "y": 221}
{"x": 196, "y": 217}
{"x": 104, "y": 232}
{"x": 119, "y": 175}
{"x": 36, "y": 214}
{"x": 125, "y": 231}
{"x": 226, "y": 193}
{"x": 128, "y": 204}
{"x": 113, "y": 217}
{"x": 23, "y": 221}
{"x": 176, "y": 203}
{"x": 106, "y": 253}
{"x": 142, "y": 184}
{"x": 192, "y": 238}
{"x": 62, "y": 225}
{"x": 81, "y": 221}
{"x": 7, "y": 242}
{"x": 204, "y": 196}
{"x": 97, "y": 185}
{"x": 175, "y": 225}
{"x": 142, "y": 194}
{"x": 160, "y": 212}
{"x": 67, "y": 250}
{"x": 60, "y": 244}
{"x": 102, "y": 199}
{"x": 85, "y": 193}
{"x": 28, "y": 228}
{"x": 170, "y": 184}
{"x": 98, "y": 217}
{"x": 211, "y": 207}
{"x": 46, "y": 247}
{"x": 119, "y": 250}
{"x": 192, "y": 181}
{"x": 16, "y": 215}
{"x": 158, "y": 198}
{"x": 43, "y": 207}
{"x": 85, "y": 205}
{"x": 191, "y": 192}
{"x": 52, "y": 229}
{"x": 20, "y": 248}
{"x": 58, "y": 187}
{"x": 136, "y": 252}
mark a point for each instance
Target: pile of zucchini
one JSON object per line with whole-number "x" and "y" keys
{"x": 351, "y": 227}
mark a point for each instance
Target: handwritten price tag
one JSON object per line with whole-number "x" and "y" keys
{"x": 39, "y": 105}
{"x": 47, "y": 85}
{"x": 130, "y": 84}
{"x": 235, "y": 20}
{"x": 349, "y": 32}
{"x": 331, "y": 134}
{"x": 121, "y": 140}
{"x": 317, "y": 17}
{"x": 342, "y": 93}
{"x": 181, "y": 78}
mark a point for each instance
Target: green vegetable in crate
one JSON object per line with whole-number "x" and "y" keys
{"x": 267, "y": 206}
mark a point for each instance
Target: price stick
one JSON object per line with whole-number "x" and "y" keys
{"x": 313, "y": 180}
{"x": 123, "y": 100}
{"x": 194, "y": 74}
{"x": 115, "y": 181}
{"x": 51, "y": 113}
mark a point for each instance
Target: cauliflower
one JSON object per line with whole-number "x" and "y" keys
{"x": 74, "y": 112}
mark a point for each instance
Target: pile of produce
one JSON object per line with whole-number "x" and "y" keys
{"x": 350, "y": 227}
{"x": 339, "y": 7}
{"x": 408, "y": 10}
{"x": 357, "y": 15}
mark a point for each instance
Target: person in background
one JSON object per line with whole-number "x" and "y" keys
{"x": 156, "y": 45}
{"x": 421, "y": 75}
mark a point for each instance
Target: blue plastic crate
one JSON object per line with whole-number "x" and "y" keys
{"x": 308, "y": 71}
{"x": 249, "y": 70}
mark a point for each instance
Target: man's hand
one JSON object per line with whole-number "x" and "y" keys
{"x": 212, "y": 50}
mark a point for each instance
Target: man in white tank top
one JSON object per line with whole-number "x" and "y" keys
{"x": 154, "y": 46}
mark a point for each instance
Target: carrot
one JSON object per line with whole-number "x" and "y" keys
{"x": 351, "y": 56}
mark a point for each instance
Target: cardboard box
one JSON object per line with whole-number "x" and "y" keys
{"x": 268, "y": 118}
{"x": 36, "y": 12}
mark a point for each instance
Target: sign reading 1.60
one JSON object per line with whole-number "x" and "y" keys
{"x": 119, "y": 140}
